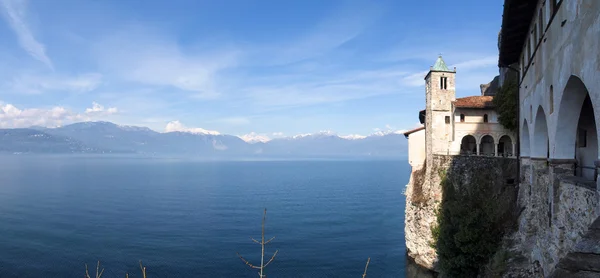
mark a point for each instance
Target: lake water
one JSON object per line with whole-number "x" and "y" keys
{"x": 187, "y": 218}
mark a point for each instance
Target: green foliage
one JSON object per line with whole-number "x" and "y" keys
{"x": 469, "y": 228}
{"x": 498, "y": 263}
{"x": 506, "y": 104}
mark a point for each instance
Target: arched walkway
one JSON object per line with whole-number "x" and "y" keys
{"x": 576, "y": 134}
{"x": 525, "y": 145}
{"x": 505, "y": 146}
{"x": 586, "y": 142}
{"x": 486, "y": 147}
{"x": 468, "y": 145}
{"x": 539, "y": 146}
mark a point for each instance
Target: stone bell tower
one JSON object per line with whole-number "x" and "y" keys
{"x": 439, "y": 116}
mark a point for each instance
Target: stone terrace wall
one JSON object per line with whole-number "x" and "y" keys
{"x": 557, "y": 211}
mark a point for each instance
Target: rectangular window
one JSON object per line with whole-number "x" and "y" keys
{"x": 443, "y": 83}
{"x": 447, "y": 119}
{"x": 462, "y": 118}
{"x": 581, "y": 138}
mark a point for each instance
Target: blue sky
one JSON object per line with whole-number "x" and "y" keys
{"x": 273, "y": 68}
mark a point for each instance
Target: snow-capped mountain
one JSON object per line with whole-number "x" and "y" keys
{"x": 106, "y": 137}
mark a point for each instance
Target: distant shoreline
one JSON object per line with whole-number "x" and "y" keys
{"x": 215, "y": 158}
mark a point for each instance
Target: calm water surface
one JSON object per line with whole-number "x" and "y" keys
{"x": 189, "y": 218}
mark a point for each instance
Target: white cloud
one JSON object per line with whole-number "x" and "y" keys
{"x": 489, "y": 61}
{"x": 334, "y": 30}
{"x": 178, "y": 126}
{"x": 415, "y": 79}
{"x": 14, "y": 13}
{"x": 466, "y": 73}
{"x": 278, "y": 134}
{"x": 254, "y": 137}
{"x": 36, "y": 84}
{"x": 13, "y": 117}
{"x": 134, "y": 55}
{"x": 98, "y": 109}
{"x": 327, "y": 86}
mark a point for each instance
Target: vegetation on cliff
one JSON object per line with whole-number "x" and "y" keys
{"x": 473, "y": 216}
{"x": 506, "y": 104}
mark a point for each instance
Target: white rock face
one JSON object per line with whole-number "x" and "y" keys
{"x": 419, "y": 218}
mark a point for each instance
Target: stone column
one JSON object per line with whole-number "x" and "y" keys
{"x": 477, "y": 149}
{"x": 558, "y": 168}
{"x": 496, "y": 149}
{"x": 525, "y": 170}
{"x": 513, "y": 150}
{"x": 597, "y": 164}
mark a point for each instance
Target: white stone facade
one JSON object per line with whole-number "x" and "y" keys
{"x": 416, "y": 147}
{"x": 560, "y": 68}
{"x": 559, "y": 100}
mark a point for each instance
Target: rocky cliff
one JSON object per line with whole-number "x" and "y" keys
{"x": 493, "y": 177}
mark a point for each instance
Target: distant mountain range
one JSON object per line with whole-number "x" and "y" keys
{"x": 106, "y": 137}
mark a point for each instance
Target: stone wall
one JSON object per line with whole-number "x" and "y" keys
{"x": 424, "y": 195}
{"x": 557, "y": 210}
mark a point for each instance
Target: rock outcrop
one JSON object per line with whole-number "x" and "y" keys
{"x": 491, "y": 88}
{"x": 424, "y": 196}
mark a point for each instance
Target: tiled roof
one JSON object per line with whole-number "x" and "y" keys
{"x": 480, "y": 102}
{"x": 413, "y": 130}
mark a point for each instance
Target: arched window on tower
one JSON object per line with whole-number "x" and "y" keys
{"x": 462, "y": 118}
{"x": 485, "y": 118}
{"x": 443, "y": 82}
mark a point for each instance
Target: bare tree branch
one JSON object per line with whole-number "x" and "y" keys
{"x": 366, "y": 266}
{"x": 98, "y": 267}
{"x": 270, "y": 240}
{"x": 143, "y": 268}
{"x": 247, "y": 262}
{"x": 262, "y": 242}
{"x": 272, "y": 258}
{"x": 98, "y": 272}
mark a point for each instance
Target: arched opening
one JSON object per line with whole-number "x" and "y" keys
{"x": 486, "y": 147}
{"x": 468, "y": 145}
{"x": 551, "y": 99}
{"x": 539, "y": 146}
{"x": 525, "y": 139}
{"x": 485, "y": 118}
{"x": 586, "y": 142}
{"x": 505, "y": 146}
{"x": 576, "y": 131}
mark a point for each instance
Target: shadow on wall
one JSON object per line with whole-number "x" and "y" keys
{"x": 478, "y": 207}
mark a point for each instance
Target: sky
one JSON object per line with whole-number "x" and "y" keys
{"x": 257, "y": 68}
